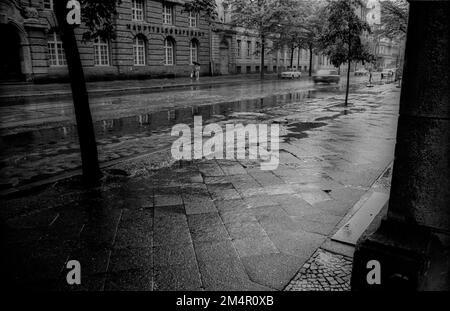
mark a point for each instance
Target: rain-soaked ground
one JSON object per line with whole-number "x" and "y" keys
{"x": 39, "y": 139}
{"x": 214, "y": 224}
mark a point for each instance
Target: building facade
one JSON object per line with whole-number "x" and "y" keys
{"x": 237, "y": 50}
{"x": 153, "y": 39}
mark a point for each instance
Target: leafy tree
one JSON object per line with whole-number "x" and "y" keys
{"x": 98, "y": 16}
{"x": 206, "y": 8}
{"x": 263, "y": 17}
{"x": 341, "y": 39}
{"x": 304, "y": 28}
{"x": 394, "y": 18}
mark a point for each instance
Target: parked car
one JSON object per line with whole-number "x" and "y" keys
{"x": 326, "y": 76}
{"x": 388, "y": 73}
{"x": 361, "y": 72}
{"x": 290, "y": 74}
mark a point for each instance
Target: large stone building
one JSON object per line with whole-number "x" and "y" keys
{"x": 154, "y": 38}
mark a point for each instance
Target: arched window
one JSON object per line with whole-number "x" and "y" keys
{"x": 101, "y": 52}
{"x": 193, "y": 48}
{"x": 55, "y": 50}
{"x": 139, "y": 51}
{"x": 169, "y": 49}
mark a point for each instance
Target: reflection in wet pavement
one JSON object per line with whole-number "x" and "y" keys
{"x": 38, "y": 154}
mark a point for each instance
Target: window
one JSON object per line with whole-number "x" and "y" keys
{"x": 101, "y": 52}
{"x": 139, "y": 51}
{"x": 167, "y": 14}
{"x": 193, "y": 19}
{"x": 258, "y": 49}
{"x": 169, "y": 51}
{"x": 239, "y": 42}
{"x": 48, "y": 4}
{"x": 193, "y": 48}
{"x": 55, "y": 50}
{"x": 137, "y": 10}
{"x": 249, "y": 48}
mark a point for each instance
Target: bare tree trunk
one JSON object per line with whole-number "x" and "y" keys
{"x": 292, "y": 56}
{"x": 263, "y": 48}
{"x": 298, "y": 58}
{"x": 310, "y": 60}
{"x": 348, "y": 82}
{"x": 85, "y": 127}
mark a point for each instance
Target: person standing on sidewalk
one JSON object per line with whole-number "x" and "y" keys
{"x": 197, "y": 70}
{"x": 193, "y": 72}
{"x": 370, "y": 78}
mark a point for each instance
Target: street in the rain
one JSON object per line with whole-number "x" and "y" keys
{"x": 159, "y": 224}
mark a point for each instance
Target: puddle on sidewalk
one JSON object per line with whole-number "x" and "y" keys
{"x": 43, "y": 153}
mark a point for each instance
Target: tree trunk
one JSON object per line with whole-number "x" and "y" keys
{"x": 348, "y": 83}
{"x": 310, "y": 60}
{"x": 85, "y": 127}
{"x": 298, "y": 59}
{"x": 263, "y": 45}
{"x": 292, "y": 56}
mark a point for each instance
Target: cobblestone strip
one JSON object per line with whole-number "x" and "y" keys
{"x": 324, "y": 271}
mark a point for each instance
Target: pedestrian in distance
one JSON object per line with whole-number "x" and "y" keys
{"x": 197, "y": 70}
{"x": 370, "y": 78}
{"x": 193, "y": 72}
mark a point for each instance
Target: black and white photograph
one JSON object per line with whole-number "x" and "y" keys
{"x": 235, "y": 153}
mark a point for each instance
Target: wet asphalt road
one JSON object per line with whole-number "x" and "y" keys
{"x": 38, "y": 139}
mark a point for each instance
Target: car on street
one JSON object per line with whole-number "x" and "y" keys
{"x": 388, "y": 73}
{"x": 290, "y": 74}
{"x": 361, "y": 72}
{"x": 326, "y": 76}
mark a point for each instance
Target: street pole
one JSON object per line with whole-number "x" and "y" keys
{"x": 412, "y": 245}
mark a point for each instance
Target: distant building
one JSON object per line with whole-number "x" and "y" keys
{"x": 237, "y": 50}
{"x": 154, "y": 38}
{"x": 388, "y": 51}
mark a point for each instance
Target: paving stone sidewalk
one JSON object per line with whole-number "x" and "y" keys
{"x": 207, "y": 224}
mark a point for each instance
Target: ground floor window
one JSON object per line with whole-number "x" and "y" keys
{"x": 169, "y": 46}
{"x": 101, "y": 52}
{"x": 139, "y": 51}
{"x": 55, "y": 50}
{"x": 193, "y": 48}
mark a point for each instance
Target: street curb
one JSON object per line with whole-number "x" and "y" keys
{"x": 123, "y": 91}
{"x": 359, "y": 204}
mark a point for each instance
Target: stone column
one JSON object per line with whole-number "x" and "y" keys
{"x": 412, "y": 243}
